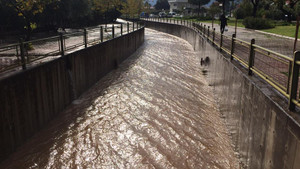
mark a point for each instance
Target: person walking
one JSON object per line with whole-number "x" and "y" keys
{"x": 223, "y": 20}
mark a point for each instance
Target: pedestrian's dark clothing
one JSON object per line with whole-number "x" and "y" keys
{"x": 223, "y": 20}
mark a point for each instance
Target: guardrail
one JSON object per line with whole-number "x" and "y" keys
{"x": 278, "y": 70}
{"x": 21, "y": 55}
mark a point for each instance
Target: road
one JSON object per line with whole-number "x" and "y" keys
{"x": 155, "y": 111}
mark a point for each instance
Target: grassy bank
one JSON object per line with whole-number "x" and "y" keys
{"x": 283, "y": 30}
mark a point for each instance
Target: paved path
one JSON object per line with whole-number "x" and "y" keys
{"x": 155, "y": 111}
{"x": 273, "y": 67}
{"x": 279, "y": 44}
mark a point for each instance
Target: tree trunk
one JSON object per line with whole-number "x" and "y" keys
{"x": 254, "y": 10}
{"x": 223, "y": 6}
{"x": 289, "y": 18}
{"x": 28, "y": 32}
{"x": 199, "y": 6}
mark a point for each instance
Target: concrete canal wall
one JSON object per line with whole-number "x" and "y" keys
{"x": 31, "y": 98}
{"x": 264, "y": 133}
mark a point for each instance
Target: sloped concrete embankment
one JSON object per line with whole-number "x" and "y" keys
{"x": 264, "y": 132}
{"x": 31, "y": 98}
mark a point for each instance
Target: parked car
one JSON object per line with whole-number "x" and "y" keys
{"x": 144, "y": 15}
{"x": 162, "y": 14}
{"x": 153, "y": 16}
{"x": 171, "y": 14}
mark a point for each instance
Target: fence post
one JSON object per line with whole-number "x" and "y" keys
{"x": 101, "y": 33}
{"x": 208, "y": 32}
{"x": 85, "y": 37}
{"x": 121, "y": 29}
{"x": 214, "y": 34}
{"x": 17, "y": 52}
{"x": 232, "y": 46}
{"x": 251, "y": 57}
{"x": 294, "y": 81}
{"x": 204, "y": 30}
{"x": 221, "y": 42}
{"x": 61, "y": 37}
{"x": 132, "y": 26}
{"x": 22, "y": 54}
{"x": 289, "y": 77}
{"x": 201, "y": 27}
{"x": 127, "y": 27}
{"x": 113, "y": 31}
{"x": 181, "y": 21}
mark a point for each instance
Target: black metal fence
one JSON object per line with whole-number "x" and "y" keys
{"x": 24, "y": 54}
{"x": 280, "y": 71}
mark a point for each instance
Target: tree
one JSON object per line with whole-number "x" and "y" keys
{"x": 287, "y": 7}
{"x": 199, "y": 3}
{"x": 255, "y": 4}
{"x": 162, "y": 4}
{"x": 26, "y": 15}
{"x": 27, "y": 10}
{"x": 132, "y": 8}
{"x": 244, "y": 10}
{"x": 110, "y": 8}
{"x": 226, "y": 5}
{"x": 147, "y": 6}
{"x": 214, "y": 10}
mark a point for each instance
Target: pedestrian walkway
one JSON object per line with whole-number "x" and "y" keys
{"x": 278, "y": 44}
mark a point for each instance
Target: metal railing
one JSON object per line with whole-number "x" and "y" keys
{"x": 23, "y": 54}
{"x": 278, "y": 70}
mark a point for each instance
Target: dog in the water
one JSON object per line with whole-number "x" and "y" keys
{"x": 205, "y": 61}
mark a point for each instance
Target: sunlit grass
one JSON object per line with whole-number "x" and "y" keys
{"x": 283, "y": 30}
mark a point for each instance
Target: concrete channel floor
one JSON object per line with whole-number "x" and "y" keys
{"x": 155, "y": 111}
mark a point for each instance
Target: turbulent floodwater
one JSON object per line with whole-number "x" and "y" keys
{"x": 155, "y": 111}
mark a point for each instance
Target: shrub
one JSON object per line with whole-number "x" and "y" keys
{"x": 200, "y": 18}
{"x": 245, "y": 10}
{"x": 282, "y": 23}
{"x": 257, "y": 23}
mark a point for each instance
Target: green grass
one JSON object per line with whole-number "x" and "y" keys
{"x": 283, "y": 30}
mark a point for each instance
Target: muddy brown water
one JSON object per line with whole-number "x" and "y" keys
{"x": 155, "y": 111}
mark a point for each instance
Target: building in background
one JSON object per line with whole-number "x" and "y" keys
{"x": 181, "y": 5}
